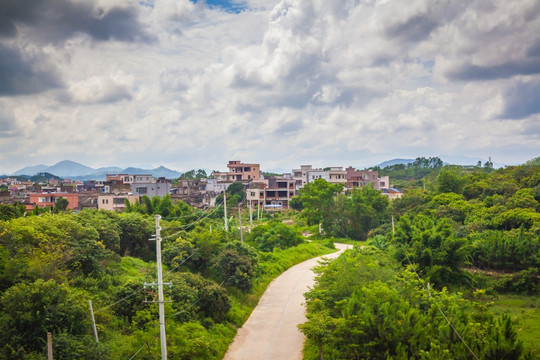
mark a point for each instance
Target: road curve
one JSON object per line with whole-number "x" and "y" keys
{"x": 271, "y": 331}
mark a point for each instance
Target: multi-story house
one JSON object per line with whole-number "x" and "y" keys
{"x": 156, "y": 187}
{"x": 315, "y": 174}
{"x": 336, "y": 175}
{"x": 124, "y": 178}
{"x": 49, "y": 200}
{"x": 113, "y": 202}
{"x": 360, "y": 178}
{"x": 301, "y": 176}
{"x": 274, "y": 196}
{"x": 239, "y": 171}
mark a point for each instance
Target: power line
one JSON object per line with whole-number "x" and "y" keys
{"x": 202, "y": 217}
{"x": 138, "y": 351}
{"x": 442, "y": 312}
{"x": 135, "y": 292}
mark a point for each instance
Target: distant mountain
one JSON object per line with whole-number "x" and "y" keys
{"x": 394, "y": 162}
{"x": 30, "y": 170}
{"x": 157, "y": 172}
{"x": 69, "y": 168}
{"x": 535, "y": 161}
{"x": 109, "y": 170}
{"x": 76, "y": 171}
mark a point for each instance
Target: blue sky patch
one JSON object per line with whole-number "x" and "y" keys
{"x": 234, "y": 6}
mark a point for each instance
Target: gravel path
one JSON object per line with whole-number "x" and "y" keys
{"x": 271, "y": 331}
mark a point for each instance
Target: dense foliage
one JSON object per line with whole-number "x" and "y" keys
{"x": 342, "y": 215}
{"x": 51, "y": 264}
{"x": 387, "y": 313}
{"x": 469, "y": 229}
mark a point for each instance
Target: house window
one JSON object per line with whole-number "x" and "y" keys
{"x": 141, "y": 190}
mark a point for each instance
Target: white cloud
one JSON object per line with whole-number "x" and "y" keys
{"x": 282, "y": 83}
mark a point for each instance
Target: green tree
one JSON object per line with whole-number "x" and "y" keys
{"x": 274, "y": 235}
{"x": 60, "y": 205}
{"x": 318, "y": 200}
{"x": 28, "y": 311}
{"x": 449, "y": 180}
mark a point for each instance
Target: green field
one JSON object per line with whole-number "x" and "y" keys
{"x": 525, "y": 312}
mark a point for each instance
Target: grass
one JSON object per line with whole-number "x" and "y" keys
{"x": 525, "y": 313}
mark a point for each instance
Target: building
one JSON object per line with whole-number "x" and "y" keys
{"x": 124, "y": 178}
{"x": 301, "y": 176}
{"x": 315, "y": 174}
{"x": 49, "y": 200}
{"x": 361, "y": 178}
{"x": 158, "y": 187}
{"x": 113, "y": 202}
{"x": 392, "y": 193}
{"x": 274, "y": 196}
{"x": 239, "y": 171}
{"x": 336, "y": 175}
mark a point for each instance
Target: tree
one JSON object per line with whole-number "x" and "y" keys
{"x": 236, "y": 264}
{"x": 135, "y": 230}
{"x": 318, "y": 200}
{"x": 28, "y": 311}
{"x": 60, "y": 205}
{"x": 449, "y": 180}
{"x": 13, "y": 211}
{"x": 274, "y": 235}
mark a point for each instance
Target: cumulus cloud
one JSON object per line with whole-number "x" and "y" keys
{"x": 281, "y": 82}
{"x": 24, "y": 74}
{"x": 8, "y": 127}
{"x": 60, "y": 19}
{"x": 522, "y": 100}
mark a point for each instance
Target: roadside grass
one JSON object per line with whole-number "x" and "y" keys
{"x": 525, "y": 313}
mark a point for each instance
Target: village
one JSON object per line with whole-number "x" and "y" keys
{"x": 271, "y": 192}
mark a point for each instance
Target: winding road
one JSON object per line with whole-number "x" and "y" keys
{"x": 271, "y": 331}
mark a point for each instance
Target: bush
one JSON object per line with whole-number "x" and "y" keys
{"x": 274, "y": 235}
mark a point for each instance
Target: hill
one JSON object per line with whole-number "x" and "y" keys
{"x": 394, "y": 162}
{"x": 30, "y": 170}
{"x": 76, "y": 171}
{"x": 535, "y": 161}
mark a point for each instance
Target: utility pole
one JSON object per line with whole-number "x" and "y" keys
{"x": 393, "y": 229}
{"x": 161, "y": 301}
{"x": 93, "y": 320}
{"x": 250, "y": 214}
{"x": 240, "y": 221}
{"x": 225, "y": 209}
{"x": 49, "y": 346}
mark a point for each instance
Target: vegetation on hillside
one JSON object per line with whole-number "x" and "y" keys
{"x": 51, "y": 264}
{"x": 472, "y": 235}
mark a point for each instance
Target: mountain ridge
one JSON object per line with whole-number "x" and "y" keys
{"x": 77, "y": 171}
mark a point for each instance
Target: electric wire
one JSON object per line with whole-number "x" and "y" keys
{"x": 138, "y": 351}
{"x": 441, "y": 311}
{"x": 141, "y": 289}
{"x": 202, "y": 217}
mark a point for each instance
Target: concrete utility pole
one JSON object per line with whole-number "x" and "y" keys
{"x": 225, "y": 209}
{"x": 93, "y": 320}
{"x": 161, "y": 301}
{"x": 240, "y": 221}
{"x": 250, "y": 214}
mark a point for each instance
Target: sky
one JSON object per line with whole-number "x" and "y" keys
{"x": 281, "y": 83}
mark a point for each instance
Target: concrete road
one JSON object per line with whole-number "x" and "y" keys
{"x": 271, "y": 331}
